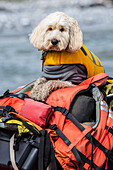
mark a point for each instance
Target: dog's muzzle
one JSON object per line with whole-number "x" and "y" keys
{"x": 54, "y": 41}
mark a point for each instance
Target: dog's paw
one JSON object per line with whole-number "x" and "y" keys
{"x": 67, "y": 83}
{"x": 42, "y": 88}
{"x": 40, "y": 81}
{"x": 36, "y": 90}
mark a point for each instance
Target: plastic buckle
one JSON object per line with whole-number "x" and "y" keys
{"x": 5, "y": 112}
{"x": 9, "y": 109}
{"x": 65, "y": 111}
{"x": 23, "y": 96}
{"x": 53, "y": 127}
{"x": 88, "y": 136}
{"x": 6, "y": 117}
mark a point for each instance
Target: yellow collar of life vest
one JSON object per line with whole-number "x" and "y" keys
{"x": 83, "y": 56}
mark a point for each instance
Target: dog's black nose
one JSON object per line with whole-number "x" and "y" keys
{"x": 54, "y": 41}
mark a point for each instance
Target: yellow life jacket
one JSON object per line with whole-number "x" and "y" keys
{"x": 82, "y": 56}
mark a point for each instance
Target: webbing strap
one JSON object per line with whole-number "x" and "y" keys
{"x": 110, "y": 129}
{"x": 6, "y": 108}
{"x": 45, "y": 150}
{"x": 49, "y": 153}
{"x": 68, "y": 115}
{"x": 47, "y": 147}
{"x": 53, "y": 159}
{"x": 67, "y": 142}
{"x": 78, "y": 155}
{"x": 20, "y": 95}
{"x": 75, "y": 122}
{"x": 107, "y": 152}
{"x": 88, "y": 161}
{"x": 41, "y": 152}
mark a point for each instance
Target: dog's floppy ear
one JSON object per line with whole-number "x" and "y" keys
{"x": 36, "y": 38}
{"x": 76, "y": 37}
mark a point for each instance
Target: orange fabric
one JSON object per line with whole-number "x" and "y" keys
{"x": 17, "y": 104}
{"x": 63, "y": 98}
{"x": 63, "y": 153}
{"x": 14, "y": 102}
{"x": 83, "y": 144}
{"x": 98, "y": 80}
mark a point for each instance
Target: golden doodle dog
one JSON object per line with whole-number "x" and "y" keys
{"x": 66, "y": 60}
{"x": 57, "y": 32}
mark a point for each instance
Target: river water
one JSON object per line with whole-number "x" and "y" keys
{"x": 20, "y": 61}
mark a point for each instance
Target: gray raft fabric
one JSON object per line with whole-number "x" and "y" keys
{"x": 67, "y": 72}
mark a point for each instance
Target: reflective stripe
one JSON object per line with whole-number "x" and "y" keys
{"x": 83, "y": 50}
{"x": 93, "y": 57}
{"x": 100, "y": 64}
{"x": 110, "y": 115}
{"x": 110, "y": 111}
{"x": 103, "y": 103}
{"x": 104, "y": 109}
{"x": 96, "y": 58}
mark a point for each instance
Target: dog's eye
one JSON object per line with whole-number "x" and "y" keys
{"x": 50, "y": 29}
{"x": 61, "y": 29}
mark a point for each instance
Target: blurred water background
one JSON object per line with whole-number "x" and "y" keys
{"x": 20, "y": 61}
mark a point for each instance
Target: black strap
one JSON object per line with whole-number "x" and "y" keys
{"x": 75, "y": 122}
{"x": 49, "y": 153}
{"x": 91, "y": 162}
{"x": 53, "y": 159}
{"x": 68, "y": 115}
{"x": 67, "y": 142}
{"x": 41, "y": 152}
{"x": 110, "y": 129}
{"x": 107, "y": 152}
{"x": 63, "y": 110}
{"x": 47, "y": 148}
{"x": 6, "y": 108}
{"x": 4, "y": 112}
{"x": 78, "y": 155}
{"x": 85, "y": 159}
{"x": 46, "y": 152}
{"x": 20, "y": 95}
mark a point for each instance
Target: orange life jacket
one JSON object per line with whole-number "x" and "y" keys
{"x": 76, "y": 140}
{"x": 73, "y": 142}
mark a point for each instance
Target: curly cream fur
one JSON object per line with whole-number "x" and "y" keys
{"x": 42, "y": 88}
{"x": 57, "y": 26}
{"x": 67, "y": 31}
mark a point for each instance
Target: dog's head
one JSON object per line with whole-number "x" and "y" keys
{"x": 57, "y": 32}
